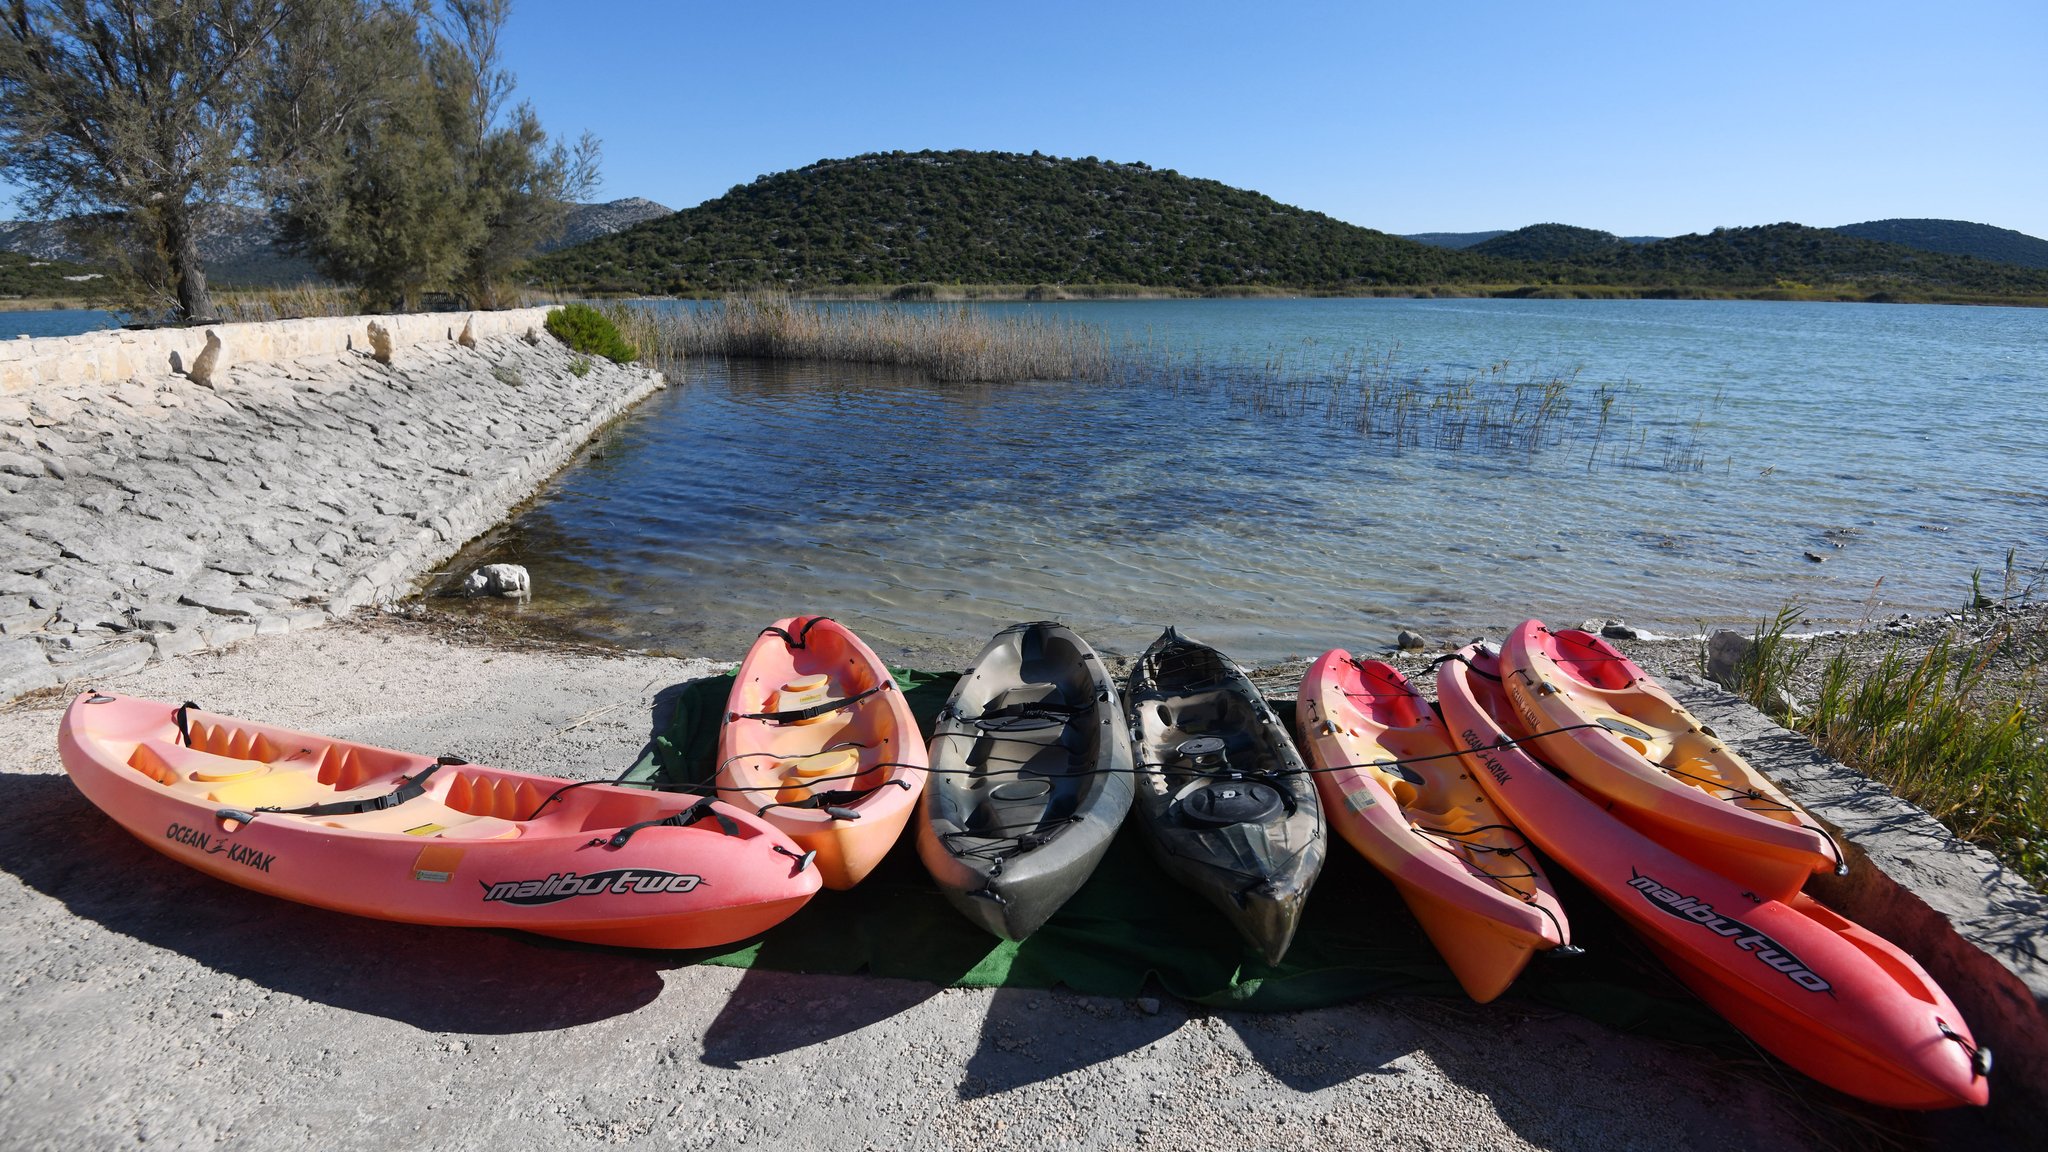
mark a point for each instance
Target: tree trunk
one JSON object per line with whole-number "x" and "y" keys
{"x": 181, "y": 247}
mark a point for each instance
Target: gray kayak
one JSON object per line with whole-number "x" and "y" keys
{"x": 1222, "y": 794}
{"x": 1031, "y": 775}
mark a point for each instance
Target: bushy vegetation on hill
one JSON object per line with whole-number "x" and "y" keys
{"x": 929, "y": 219}
{"x": 1957, "y": 238}
{"x": 22, "y": 275}
{"x": 1551, "y": 243}
{"x": 1794, "y": 254}
{"x": 998, "y": 218}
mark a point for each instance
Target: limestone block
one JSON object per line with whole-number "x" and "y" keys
{"x": 182, "y": 642}
{"x": 226, "y": 632}
{"x": 116, "y": 659}
{"x": 380, "y": 342}
{"x": 23, "y": 668}
{"x": 207, "y": 362}
{"x": 1725, "y": 650}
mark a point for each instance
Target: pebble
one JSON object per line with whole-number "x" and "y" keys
{"x": 1409, "y": 641}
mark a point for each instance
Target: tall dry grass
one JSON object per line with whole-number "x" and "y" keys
{"x": 1954, "y": 729}
{"x": 946, "y": 343}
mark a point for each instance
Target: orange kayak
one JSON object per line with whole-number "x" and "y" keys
{"x": 818, "y": 741}
{"x": 397, "y": 836}
{"x": 1394, "y": 787}
{"x": 1620, "y": 736}
{"x": 1828, "y": 997}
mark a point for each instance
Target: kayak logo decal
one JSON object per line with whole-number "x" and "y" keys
{"x": 1771, "y": 953}
{"x": 213, "y": 845}
{"x": 1494, "y": 767}
{"x": 560, "y": 886}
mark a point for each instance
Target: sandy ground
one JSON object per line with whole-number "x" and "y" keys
{"x": 148, "y": 1004}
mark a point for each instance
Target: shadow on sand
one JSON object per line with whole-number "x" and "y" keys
{"x": 436, "y": 979}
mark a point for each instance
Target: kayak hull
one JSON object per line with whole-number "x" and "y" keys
{"x": 1032, "y": 779}
{"x": 1602, "y": 721}
{"x": 476, "y": 846}
{"x": 1221, "y": 793}
{"x": 1828, "y": 997}
{"x": 842, "y": 783}
{"x": 1394, "y": 787}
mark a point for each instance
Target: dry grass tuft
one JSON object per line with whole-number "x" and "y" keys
{"x": 946, "y": 343}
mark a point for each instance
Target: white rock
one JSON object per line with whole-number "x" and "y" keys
{"x": 498, "y": 580}
{"x": 1725, "y": 650}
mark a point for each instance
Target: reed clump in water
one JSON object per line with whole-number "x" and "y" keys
{"x": 946, "y": 343}
{"x": 1954, "y": 728}
{"x": 1497, "y": 410}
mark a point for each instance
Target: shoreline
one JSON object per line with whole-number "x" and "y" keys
{"x": 1028, "y": 293}
{"x": 124, "y": 965}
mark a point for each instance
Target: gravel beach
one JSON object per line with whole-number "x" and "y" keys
{"x": 152, "y": 1004}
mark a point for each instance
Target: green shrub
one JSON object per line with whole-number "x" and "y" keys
{"x": 579, "y": 367}
{"x": 586, "y": 330}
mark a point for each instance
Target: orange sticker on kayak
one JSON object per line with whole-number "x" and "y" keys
{"x": 436, "y": 863}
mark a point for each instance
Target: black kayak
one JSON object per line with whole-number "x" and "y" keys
{"x": 1223, "y": 796}
{"x": 1031, "y": 775}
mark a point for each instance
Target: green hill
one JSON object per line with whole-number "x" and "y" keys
{"x": 1796, "y": 254}
{"x": 999, "y": 218}
{"x": 1454, "y": 239}
{"x": 1957, "y": 238}
{"x": 25, "y": 275}
{"x": 1007, "y": 219}
{"x": 1550, "y": 243}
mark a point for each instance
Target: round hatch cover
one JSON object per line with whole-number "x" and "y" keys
{"x": 1225, "y": 803}
{"x": 1617, "y": 724}
{"x": 1200, "y": 747}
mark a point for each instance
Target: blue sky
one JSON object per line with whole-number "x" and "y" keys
{"x": 1641, "y": 119}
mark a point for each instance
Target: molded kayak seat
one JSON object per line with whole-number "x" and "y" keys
{"x": 806, "y": 663}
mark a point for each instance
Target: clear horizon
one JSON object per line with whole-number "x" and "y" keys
{"x": 1637, "y": 121}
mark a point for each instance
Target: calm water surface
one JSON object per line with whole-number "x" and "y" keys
{"x": 1901, "y": 443}
{"x": 55, "y": 322}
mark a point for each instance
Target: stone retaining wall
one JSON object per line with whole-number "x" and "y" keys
{"x": 113, "y": 356}
{"x": 150, "y": 515}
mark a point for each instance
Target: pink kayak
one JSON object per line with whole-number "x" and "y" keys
{"x": 819, "y": 742}
{"x": 397, "y": 836}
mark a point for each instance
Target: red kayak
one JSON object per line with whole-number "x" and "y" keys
{"x": 1826, "y": 996}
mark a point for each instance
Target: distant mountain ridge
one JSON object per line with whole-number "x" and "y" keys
{"x": 1040, "y": 222}
{"x": 1957, "y": 238}
{"x": 587, "y": 222}
{"x": 1947, "y": 237}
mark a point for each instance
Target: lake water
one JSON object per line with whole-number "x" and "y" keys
{"x": 1901, "y": 444}
{"x": 55, "y": 322}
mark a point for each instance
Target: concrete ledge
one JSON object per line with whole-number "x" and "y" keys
{"x": 1979, "y": 929}
{"x": 112, "y": 356}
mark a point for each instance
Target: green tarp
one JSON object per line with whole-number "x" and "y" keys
{"x": 1130, "y": 924}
